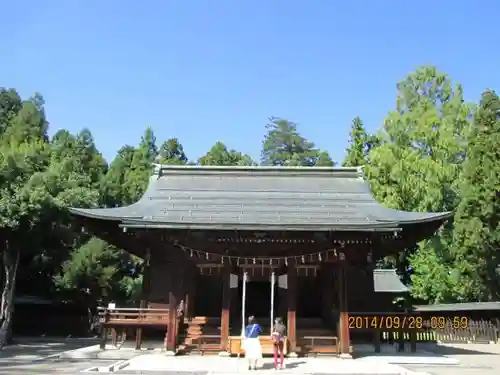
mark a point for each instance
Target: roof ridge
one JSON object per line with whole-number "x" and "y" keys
{"x": 356, "y": 172}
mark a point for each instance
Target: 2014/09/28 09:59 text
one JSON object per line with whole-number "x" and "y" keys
{"x": 396, "y": 321}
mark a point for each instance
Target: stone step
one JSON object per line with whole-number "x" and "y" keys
{"x": 208, "y": 349}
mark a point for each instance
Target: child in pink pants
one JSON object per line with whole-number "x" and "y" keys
{"x": 279, "y": 343}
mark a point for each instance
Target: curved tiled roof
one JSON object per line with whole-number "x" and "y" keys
{"x": 281, "y": 198}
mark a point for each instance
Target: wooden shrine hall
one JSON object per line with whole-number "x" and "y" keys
{"x": 222, "y": 243}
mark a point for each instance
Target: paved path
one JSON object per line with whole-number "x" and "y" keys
{"x": 29, "y": 351}
{"x": 39, "y": 357}
{"x": 481, "y": 359}
{"x": 49, "y": 367}
{"x": 159, "y": 363}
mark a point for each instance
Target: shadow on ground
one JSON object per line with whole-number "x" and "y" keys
{"x": 270, "y": 365}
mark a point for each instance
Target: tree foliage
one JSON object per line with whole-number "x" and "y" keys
{"x": 417, "y": 167}
{"x": 284, "y": 146}
{"x": 477, "y": 219}
{"x": 220, "y": 155}
{"x": 360, "y": 144}
{"x": 96, "y": 270}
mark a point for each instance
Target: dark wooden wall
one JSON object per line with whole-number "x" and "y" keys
{"x": 317, "y": 296}
{"x": 167, "y": 275}
{"x": 361, "y": 295}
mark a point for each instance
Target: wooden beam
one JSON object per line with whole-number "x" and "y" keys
{"x": 172, "y": 323}
{"x": 343, "y": 326}
{"x": 225, "y": 313}
{"x": 145, "y": 290}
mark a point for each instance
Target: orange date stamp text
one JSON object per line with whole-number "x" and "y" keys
{"x": 388, "y": 322}
{"x": 406, "y": 322}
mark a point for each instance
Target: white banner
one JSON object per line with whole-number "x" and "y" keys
{"x": 283, "y": 281}
{"x": 233, "y": 281}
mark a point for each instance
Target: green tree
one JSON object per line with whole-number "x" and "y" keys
{"x": 283, "y": 145}
{"x": 324, "y": 160}
{"x": 98, "y": 271}
{"x": 137, "y": 177}
{"x": 81, "y": 167}
{"x": 22, "y": 198}
{"x": 171, "y": 152}
{"x": 91, "y": 161}
{"x": 418, "y": 163}
{"x": 38, "y": 181}
{"x": 360, "y": 144}
{"x": 24, "y": 157}
{"x": 29, "y": 122}
{"x": 477, "y": 219}
{"x": 10, "y": 105}
{"x": 74, "y": 172}
{"x": 220, "y": 155}
{"x": 113, "y": 192}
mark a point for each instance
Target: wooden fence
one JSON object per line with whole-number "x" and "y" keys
{"x": 475, "y": 331}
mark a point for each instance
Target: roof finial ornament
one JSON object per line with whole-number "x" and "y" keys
{"x": 156, "y": 169}
{"x": 361, "y": 171}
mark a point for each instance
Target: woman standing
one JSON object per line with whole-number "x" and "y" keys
{"x": 253, "y": 350}
{"x": 279, "y": 343}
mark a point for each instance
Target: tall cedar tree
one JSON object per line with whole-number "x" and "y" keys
{"x": 417, "y": 168}
{"x": 284, "y": 146}
{"x": 477, "y": 220}
{"x": 360, "y": 144}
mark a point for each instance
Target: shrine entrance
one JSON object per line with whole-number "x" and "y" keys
{"x": 258, "y": 299}
{"x": 209, "y": 288}
{"x": 310, "y": 296}
{"x": 258, "y": 296}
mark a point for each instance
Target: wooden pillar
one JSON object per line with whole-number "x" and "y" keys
{"x": 104, "y": 332}
{"x": 235, "y": 314}
{"x": 225, "y": 313}
{"x": 282, "y": 293}
{"x": 327, "y": 300}
{"x": 170, "y": 345}
{"x": 343, "y": 326}
{"x": 413, "y": 341}
{"x": 292, "y": 307}
{"x": 193, "y": 291}
{"x": 189, "y": 295}
{"x": 145, "y": 289}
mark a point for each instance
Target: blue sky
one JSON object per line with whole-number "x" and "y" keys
{"x": 208, "y": 70}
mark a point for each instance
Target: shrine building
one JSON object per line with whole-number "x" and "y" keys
{"x": 223, "y": 243}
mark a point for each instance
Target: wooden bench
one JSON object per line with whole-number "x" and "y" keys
{"x": 130, "y": 318}
{"x": 111, "y": 319}
{"x": 266, "y": 342}
{"x": 207, "y": 343}
{"x": 313, "y": 347}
